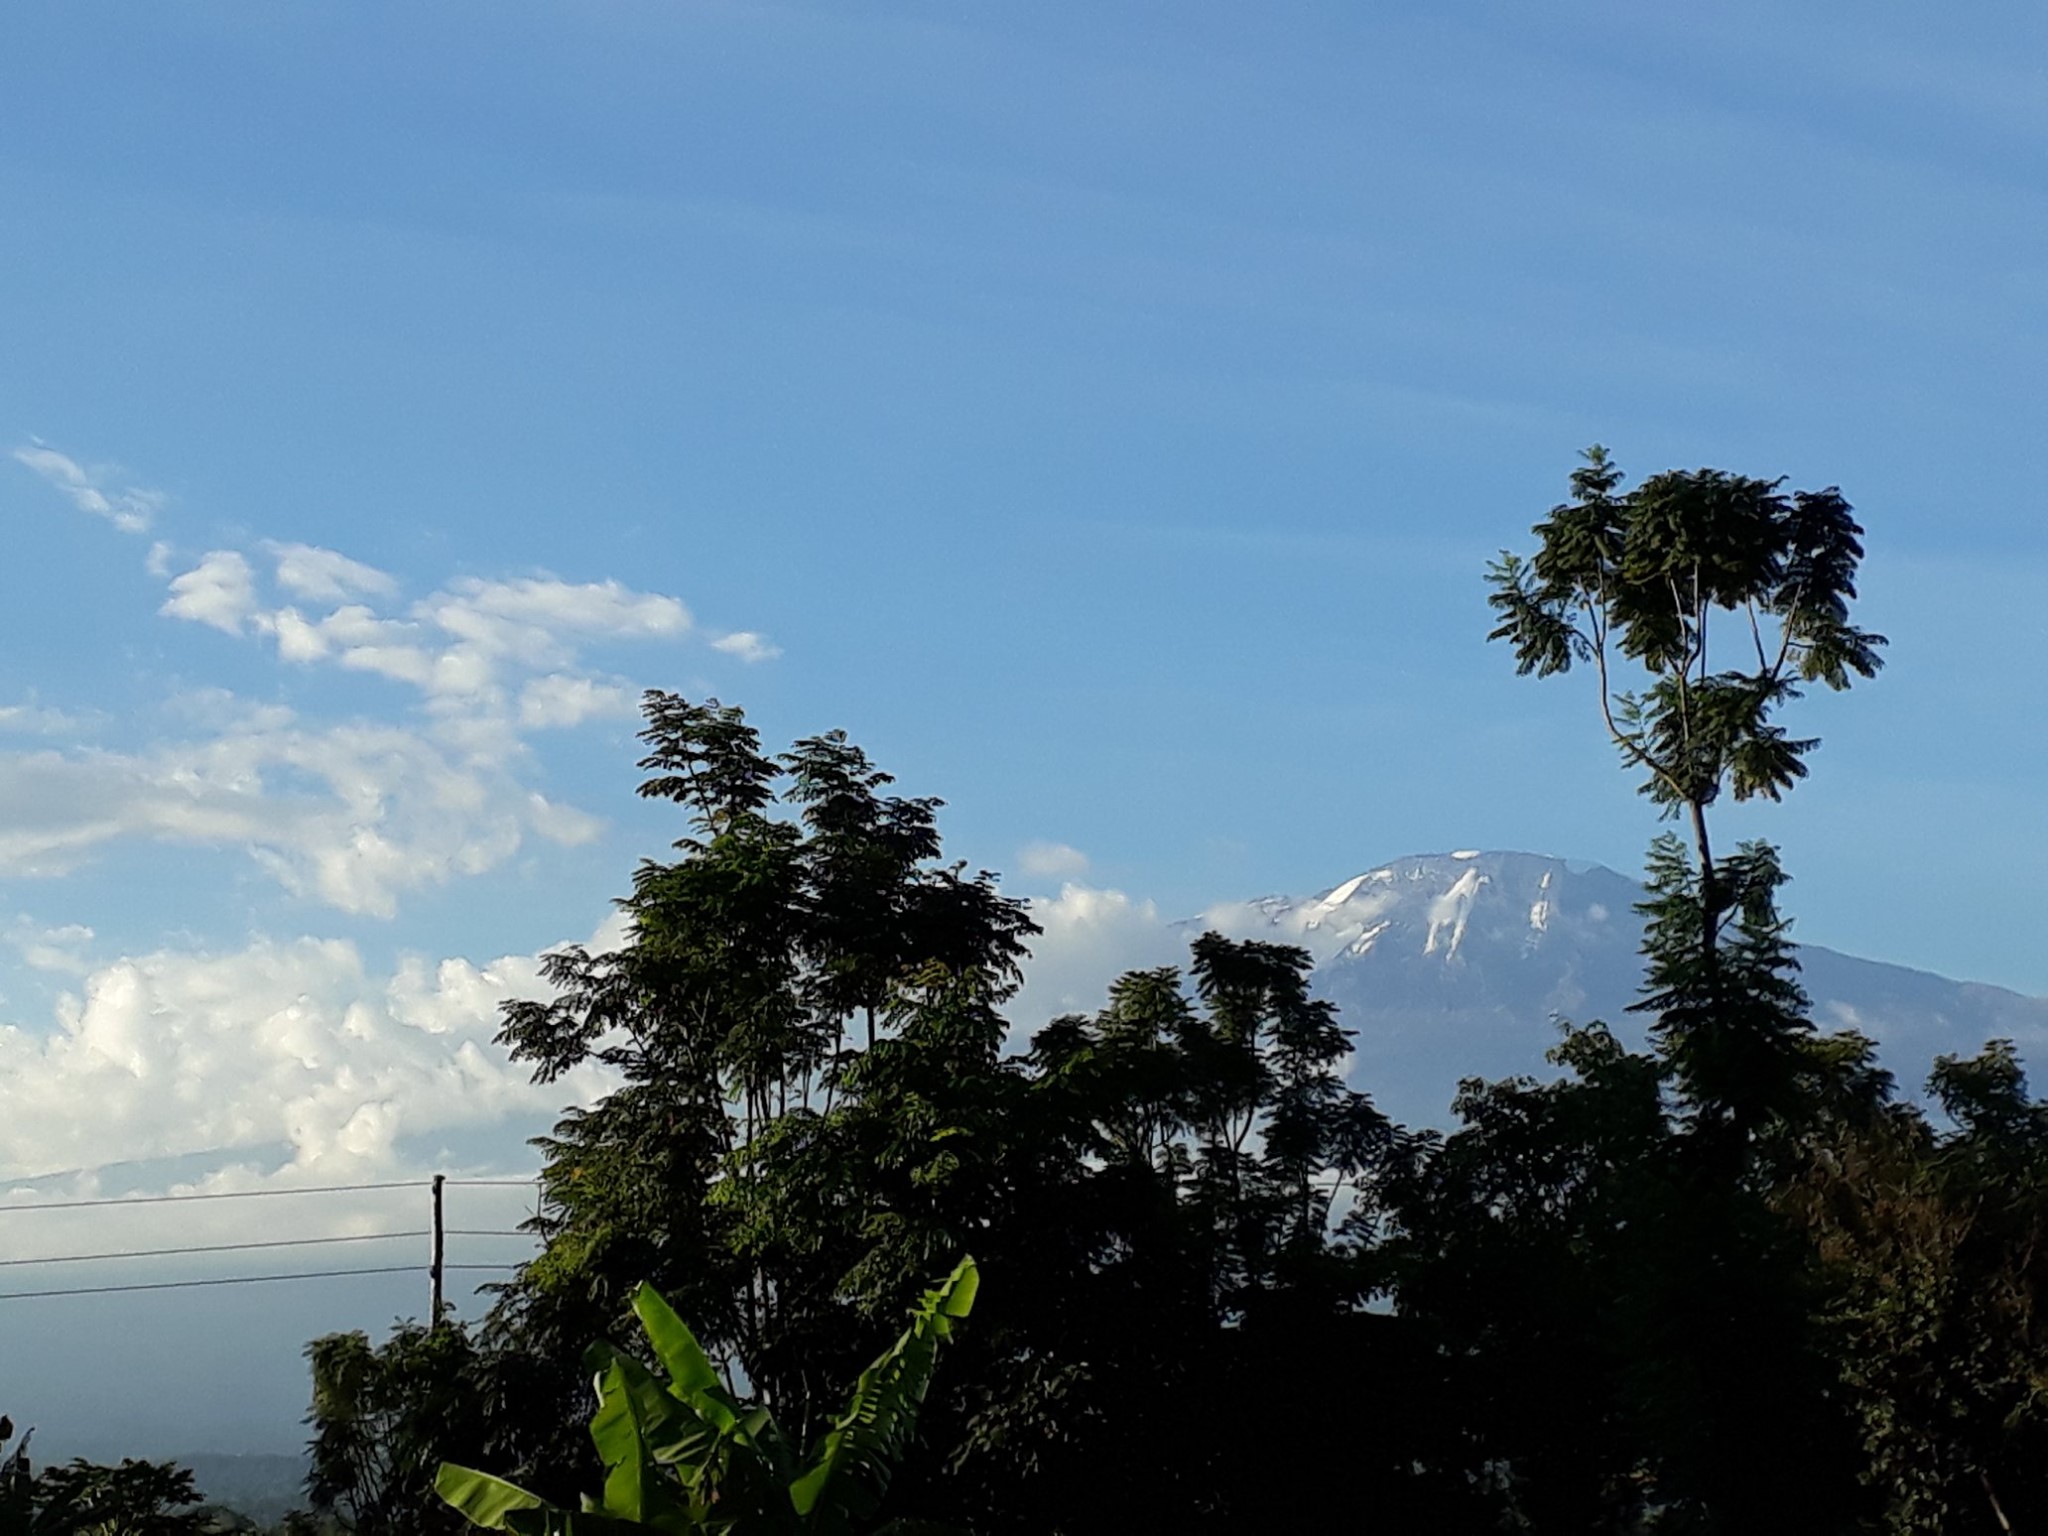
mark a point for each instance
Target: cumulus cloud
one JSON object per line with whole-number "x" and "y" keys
{"x": 130, "y": 508}
{"x": 747, "y": 645}
{"x": 292, "y": 1060}
{"x": 1090, "y": 937}
{"x": 1051, "y": 861}
{"x": 290, "y": 1047}
{"x": 220, "y": 591}
{"x": 475, "y": 646}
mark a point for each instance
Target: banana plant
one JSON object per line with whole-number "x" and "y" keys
{"x": 24, "y": 1511}
{"x": 687, "y": 1457}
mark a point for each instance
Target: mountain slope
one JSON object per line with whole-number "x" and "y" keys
{"x": 1454, "y": 965}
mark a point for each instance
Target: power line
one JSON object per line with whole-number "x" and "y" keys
{"x": 165, "y": 1253}
{"x": 435, "y": 1269}
{"x": 259, "y": 1194}
{"x": 180, "y": 1285}
{"x": 225, "y": 1194}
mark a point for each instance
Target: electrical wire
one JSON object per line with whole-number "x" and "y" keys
{"x": 225, "y": 1194}
{"x": 290, "y": 1242}
{"x": 166, "y": 1253}
{"x": 181, "y": 1285}
{"x": 259, "y": 1194}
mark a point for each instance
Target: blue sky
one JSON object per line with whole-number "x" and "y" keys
{"x": 1102, "y": 411}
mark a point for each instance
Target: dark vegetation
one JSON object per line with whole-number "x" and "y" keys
{"x": 1729, "y": 1283}
{"x": 82, "y": 1498}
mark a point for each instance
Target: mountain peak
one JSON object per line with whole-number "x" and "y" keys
{"x": 1444, "y": 907}
{"x": 1459, "y": 963}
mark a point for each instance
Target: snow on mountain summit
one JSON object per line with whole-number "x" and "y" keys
{"x": 1447, "y": 965}
{"x": 1467, "y": 907}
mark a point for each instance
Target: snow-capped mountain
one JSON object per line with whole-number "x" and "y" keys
{"x": 1454, "y": 965}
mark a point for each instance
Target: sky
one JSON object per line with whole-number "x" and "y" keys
{"x": 1104, "y": 412}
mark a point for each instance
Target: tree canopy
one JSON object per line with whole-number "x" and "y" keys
{"x": 1728, "y": 1282}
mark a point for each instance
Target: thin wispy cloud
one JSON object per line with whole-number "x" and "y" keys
{"x": 131, "y": 508}
{"x": 557, "y": 701}
{"x": 1052, "y": 861}
{"x": 351, "y": 814}
{"x": 62, "y": 949}
{"x": 323, "y": 575}
{"x": 32, "y": 719}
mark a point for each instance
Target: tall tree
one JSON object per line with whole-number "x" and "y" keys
{"x": 1704, "y": 601}
{"x": 805, "y": 947}
{"x": 1686, "y": 569}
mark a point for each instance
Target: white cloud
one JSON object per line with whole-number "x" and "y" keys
{"x": 351, "y": 816}
{"x": 61, "y": 949}
{"x": 524, "y": 617}
{"x": 1091, "y": 936}
{"x": 747, "y": 645}
{"x": 562, "y": 824}
{"x": 130, "y": 508}
{"x": 290, "y": 1044}
{"x": 321, "y": 575}
{"x": 297, "y": 640}
{"x": 295, "y": 1052}
{"x": 34, "y": 720}
{"x": 558, "y": 700}
{"x": 1051, "y": 861}
{"x": 468, "y": 648}
{"x": 219, "y": 591}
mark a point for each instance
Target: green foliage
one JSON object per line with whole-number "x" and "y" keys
{"x": 1723, "y": 1284}
{"x": 689, "y": 1456}
{"x": 1934, "y": 1238}
{"x": 23, "y": 1509}
{"x": 1643, "y": 575}
{"x": 385, "y": 1416}
{"x": 82, "y": 1498}
{"x": 816, "y": 1112}
{"x": 1716, "y": 1401}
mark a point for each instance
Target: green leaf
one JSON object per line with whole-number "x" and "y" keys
{"x": 851, "y": 1468}
{"x": 482, "y": 1499}
{"x": 665, "y": 1428}
{"x": 689, "y": 1368}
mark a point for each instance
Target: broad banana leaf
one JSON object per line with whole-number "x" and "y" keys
{"x": 690, "y": 1371}
{"x": 733, "y": 1472}
{"x": 849, "y": 1472}
{"x": 482, "y": 1499}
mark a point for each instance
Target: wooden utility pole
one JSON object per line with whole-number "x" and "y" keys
{"x": 440, "y": 1243}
